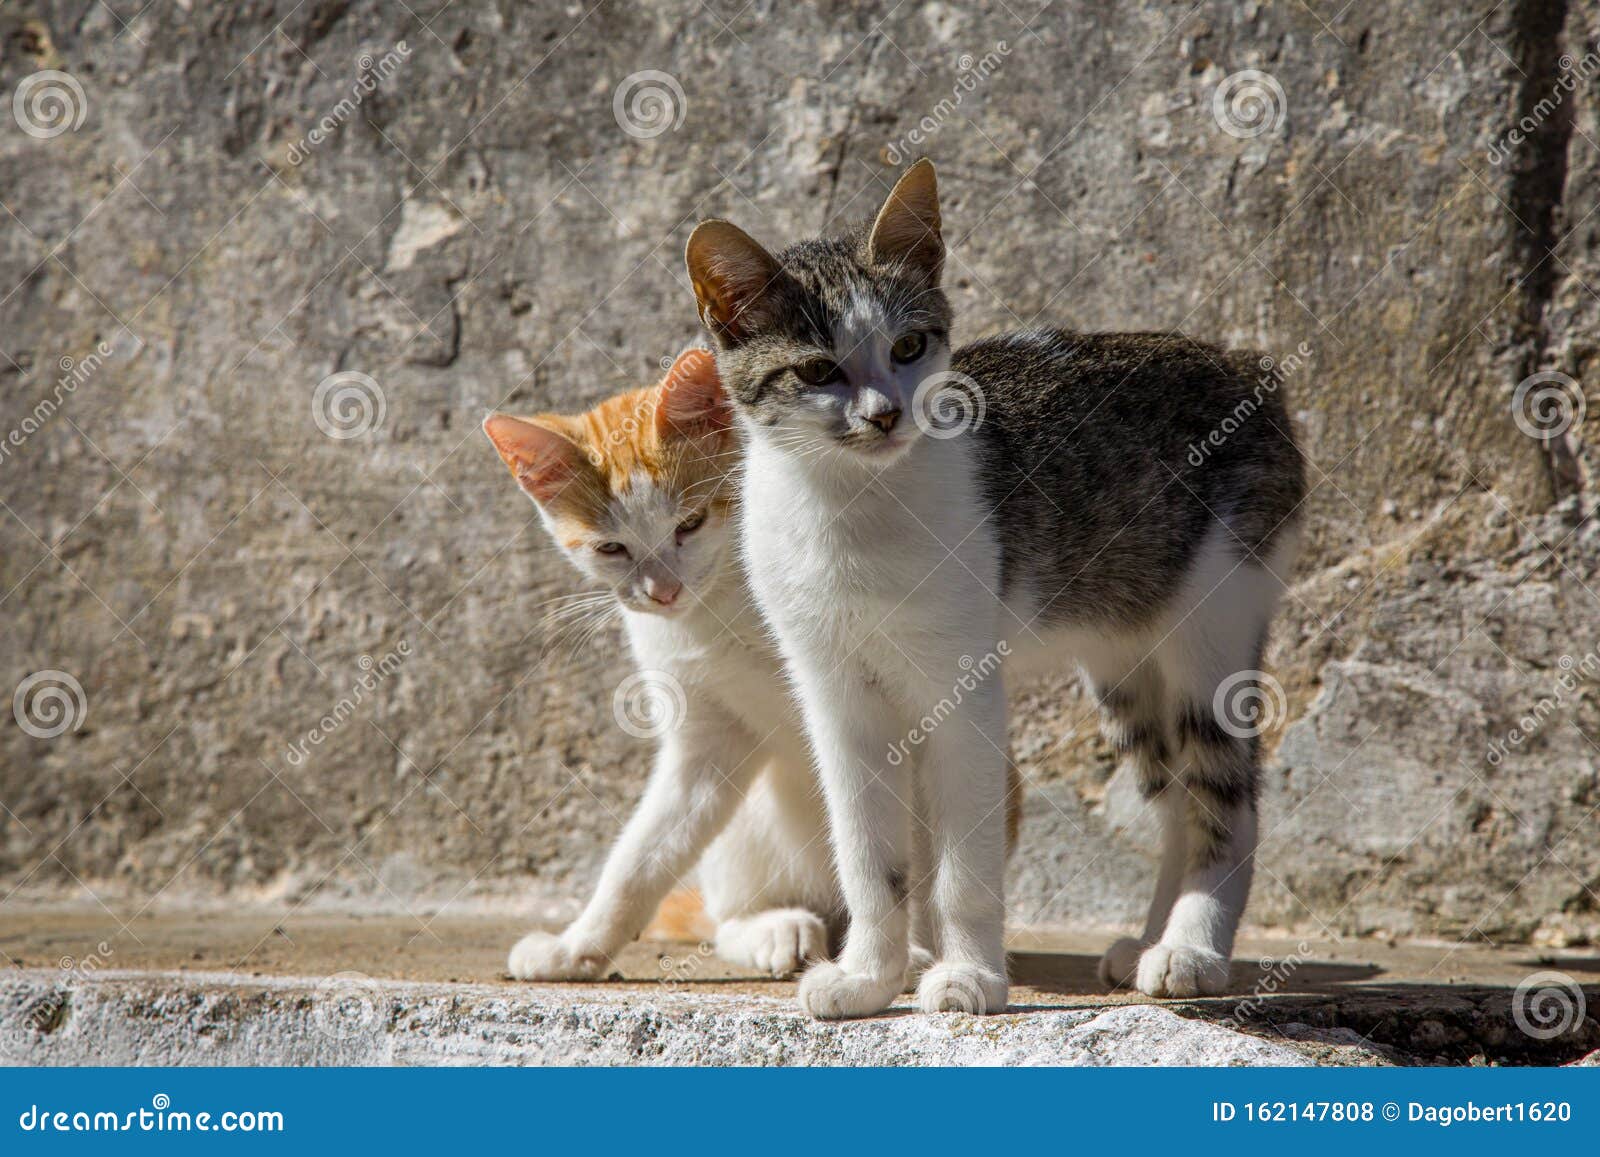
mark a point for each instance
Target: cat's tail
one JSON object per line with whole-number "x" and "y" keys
{"x": 682, "y": 916}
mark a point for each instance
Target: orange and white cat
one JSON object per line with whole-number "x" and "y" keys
{"x": 636, "y": 492}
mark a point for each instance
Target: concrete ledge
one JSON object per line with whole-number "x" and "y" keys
{"x": 269, "y": 987}
{"x": 217, "y": 1019}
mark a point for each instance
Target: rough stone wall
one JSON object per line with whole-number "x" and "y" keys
{"x": 499, "y": 222}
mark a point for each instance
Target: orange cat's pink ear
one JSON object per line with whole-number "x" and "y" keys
{"x": 542, "y": 460}
{"x": 692, "y": 399}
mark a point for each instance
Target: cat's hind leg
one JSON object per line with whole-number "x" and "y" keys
{"x": 777, "y": 942}
{"x": 1135, "y": 719}
{"x": 1210, "y": 661}
{"x": 768, "y": 879}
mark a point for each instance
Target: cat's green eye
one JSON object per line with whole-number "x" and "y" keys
{"x": 692, "y": 523}
{"x": 818, "y": 372}
{"x": 611, "y": 548}
{"x": 908, "y": 348}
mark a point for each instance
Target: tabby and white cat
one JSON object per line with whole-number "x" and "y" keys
{"x": 889, "y": 550}
{"x": 636, "y": 493}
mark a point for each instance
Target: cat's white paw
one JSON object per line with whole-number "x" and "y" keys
{"x": 780, "y": 942}
{"x": 921, "y": 960}
{"x": 955, "y": 987}
{"x": 828, "y": 992}
{"x": 1121, "y": 962}
{"x": 541, "y": 956}
{"x": 1177, "y": 970}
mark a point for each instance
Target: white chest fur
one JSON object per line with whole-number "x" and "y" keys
{"x": 891, "y": 572}
{"x": 719, "y": 648}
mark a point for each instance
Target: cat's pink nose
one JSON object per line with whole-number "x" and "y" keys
{"x": 664, "y": 593}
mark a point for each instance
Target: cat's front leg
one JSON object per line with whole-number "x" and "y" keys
{"x": 852, "y": 727}
{"x": 701, "y": 773}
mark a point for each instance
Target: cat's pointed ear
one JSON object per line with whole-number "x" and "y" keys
{"x": 692, "y": 402}
{"x": 907, "y": 227}
{"x": 731, "y": 273}
{"x": 543, "y": 461}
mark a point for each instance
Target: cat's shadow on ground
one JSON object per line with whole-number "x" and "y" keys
{"x": 1433, "y": 1022}
{"x": 1072, "y": 974}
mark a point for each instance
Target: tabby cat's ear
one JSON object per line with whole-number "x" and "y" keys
{"x": 692, "y": 401}
{"x": 907, "y": 227}
{"x": 543, "y": 461}
{"x": 731, "y": 273}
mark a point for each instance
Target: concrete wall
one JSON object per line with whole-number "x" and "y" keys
{"x": 182, "y": 536}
